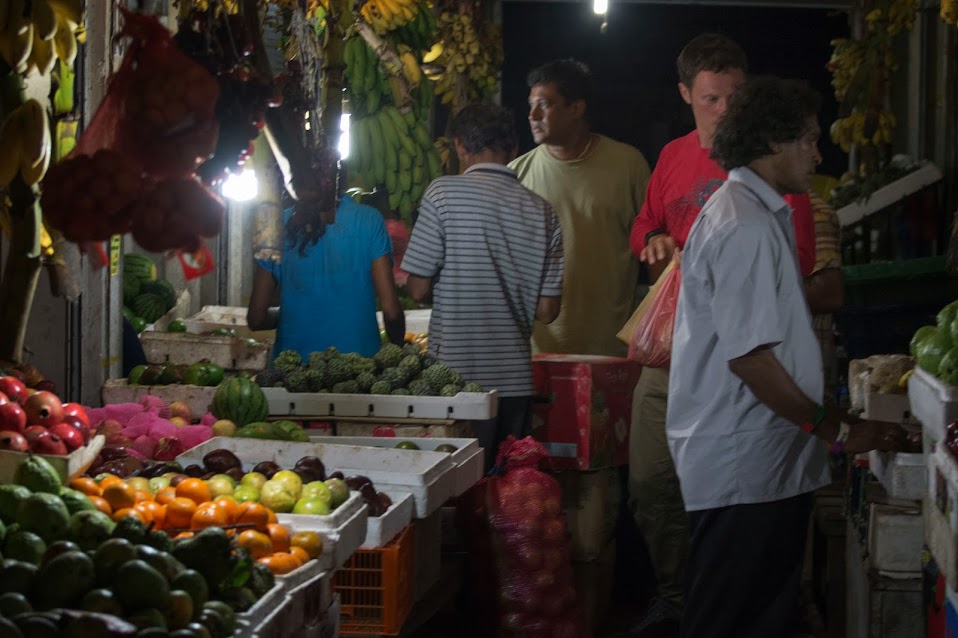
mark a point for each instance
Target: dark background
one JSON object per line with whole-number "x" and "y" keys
{"x": 633, "y": 63}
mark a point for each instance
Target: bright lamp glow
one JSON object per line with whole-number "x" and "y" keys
{"x": 600, "y": 7}
{"x": 242, "y": 186}
{"x": 344, "y": 136}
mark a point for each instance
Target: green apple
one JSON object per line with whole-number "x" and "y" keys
{"x": 221, "y": 485}
{"x": 339, "y": 492}
{"x": 224, "y": 427}
{"x": 157, "y": 483}
{"x": 291, "y": 480}
{"x": 254, "y": 479}
{"x": 276, "y": 497}
{"x": 317, "y": 490}
{"x": 139, "y": 483}
{"x": 245, "y": 493}
{"x": 312, "y": 506}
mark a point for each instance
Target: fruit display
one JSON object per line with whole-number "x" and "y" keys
{"x": 146, "y": 297}
{"x": 202, "y": 374}
{"x": 37, "y": 421}
{"x": 936, "y": 347}
{"x": 393, "y": 370}
{"x": 177, "y": 562}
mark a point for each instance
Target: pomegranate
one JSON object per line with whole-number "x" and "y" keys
{"x": 33, "y": 432}
{"x": 12, "y": 417}
{"x": 44, "y": 408}
{"x": 74, "y": 421}
{"x": 78, "y": 411}
{"x": 49, "y": 443}
{"x": 15, "y": 389}
{"x": 4, "y": 398}
{"x": 72, "y": 437}
{"x": 13, "y": 441}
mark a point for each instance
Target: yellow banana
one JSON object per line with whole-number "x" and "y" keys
{"x": 65, "y": 44}
{"x": 43, "y": 55}
{"x": 410, "y": 67}
{"x": 21, "y": 50}
{"x": 390, "y": 11}
{"x": 11, "y": 140}
{"x": 44, "y": 20}
{"x": 36, "y": 135}
{"x": 69, "y": 10}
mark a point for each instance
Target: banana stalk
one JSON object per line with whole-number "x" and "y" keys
{"x": 392, "y": 63}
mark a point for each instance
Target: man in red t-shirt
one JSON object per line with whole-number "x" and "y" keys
{"x": 711, "y": 68}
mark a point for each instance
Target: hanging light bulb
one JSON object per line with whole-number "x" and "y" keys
{"x": 600, "y": 7}
{"x": 242, "y": 186}
{"x": 344, "y": 136}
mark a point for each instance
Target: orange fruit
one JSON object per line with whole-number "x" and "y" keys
{"x": 165, "y": 495}
{"x": 280, "y": 537}
{"x": 300, "y": 554}
{"x": 100, "y": 503}
{"x": 147, "y": 515}
{"x": 109, "y": 480}
{"x": 257, "y": 543}
{"x": 194, "y": 489}
{"x": 119, "y": 495}
{"x": 309, "y": 542}
{"x": 252, "y": 513}
{"x": 129, "y": 511}
{"x": 209, "y": 515}
{"x": 279, "y": 563}
{"x": 179, "y": 513}
{"x": 156, "y": 512}
{"x": 272, "y": 516}
{"x": 230, "y": 505}
{"x": 141, "y": 495}
{"x": 86, "y": 485}
{"x": 183, "y": 536}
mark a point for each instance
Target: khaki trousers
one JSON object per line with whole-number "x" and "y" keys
{"x": 655, "y": 499}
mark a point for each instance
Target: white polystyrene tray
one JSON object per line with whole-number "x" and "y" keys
{"x": 382, "y": 529}
{"x": 340, "y": 542}
{"x": 231, "y": 353}
{"x": 902, "y": 475}
{"x": 465, "y": 406}
{"x": 258, "y": 620}
{"x": 468, "y": 456}
{"x": 932, "y": 401}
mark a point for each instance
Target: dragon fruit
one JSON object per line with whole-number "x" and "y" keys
{"x": 162, "y": 428}
{"x": 193, "y": 435}
{"x": 145, "y": 446}
{"x": 208, "y": 419}
{"x": 168, "y": 449}
{"x": 156, "y": 405}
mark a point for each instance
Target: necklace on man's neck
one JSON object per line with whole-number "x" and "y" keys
{"x": 586, "y": 149}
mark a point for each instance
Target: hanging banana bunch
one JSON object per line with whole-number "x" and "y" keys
{"x": 32, "y": 41}
{"x": 949, "y": 11}
{"x": 469, "y": 59}
{"x": 386, "y": 15}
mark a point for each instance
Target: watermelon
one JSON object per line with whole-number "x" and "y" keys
{"x": 140, "y": 267}
{"x": 149, "y": 306}
{"x": 131, "y": 288}
{"x": 162, "y": 289}
{"x": 241, "y": 401}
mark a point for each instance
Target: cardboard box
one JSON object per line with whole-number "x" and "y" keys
{"x": 583, "y": 409}
{"x": 590, "y": 502}
{"x": 593, "y": 587}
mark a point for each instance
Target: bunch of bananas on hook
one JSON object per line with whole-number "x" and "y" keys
{"x": 35, "y": 34}
{"x": 386, "y": 15}
{"x": 27, "y": 144}
{"x": 469, "y": 59}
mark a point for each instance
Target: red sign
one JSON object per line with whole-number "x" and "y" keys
{"x": 196, "y": 264}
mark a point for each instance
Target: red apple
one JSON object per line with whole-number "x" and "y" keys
{"x": 77, "y": 410}
{"x": 72, "y": 437}
{"x": 13, "y": 441}
{"x": 44, "y": 408}
{"x": 74, "y": 421}
{"x": 12, "y": 417}
{"x": 4, "y": 398}
{"x": 49, "y": 443}
{"x": 33, "y": 432}
{"x": 15, "y": 389}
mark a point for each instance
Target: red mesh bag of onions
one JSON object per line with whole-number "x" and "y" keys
{"x": 520, "y": 549}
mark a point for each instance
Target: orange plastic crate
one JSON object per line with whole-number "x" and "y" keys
{"x": 376, "y": 588}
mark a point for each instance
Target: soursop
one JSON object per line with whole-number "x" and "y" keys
{"x": 411, "y": 363}
{"x": 411, "y": 349}
{"x": 388, "y": 356}
{"x": 472, "y": 387}
{"x": 421, "y": 388}
{"x": 449, "y": 390}
{"x": 316, "y": 379}
{"x": 401, "y": 391}
{"x": 298, "y": 381}
{"x": 365, "y": 381}
{"x": 288, "y": 360}
{"x": 338, "y": 370}
{"x": 397, "y": 376}
{"x": 270, "y": 378}
{"x": 381, "y": 387}
{"x": 439, "y": 376}
{"x": 346, "y": 387}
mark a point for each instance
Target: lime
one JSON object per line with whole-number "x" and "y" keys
{"x": 138, "y": 323}
{"x": 177, "y": 325}
{"x": 406, "y": 445}
{"x": 135, "y": 374}
{"x": 214, "y": 374}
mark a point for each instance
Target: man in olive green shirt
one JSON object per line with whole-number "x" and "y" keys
{"x": 596, "y": 186}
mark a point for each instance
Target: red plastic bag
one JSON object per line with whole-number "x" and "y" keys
{"x": 521, "y": 550}
{"x": 652, "y": 341}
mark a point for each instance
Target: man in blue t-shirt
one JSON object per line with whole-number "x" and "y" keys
{"x": 332, "y": 271}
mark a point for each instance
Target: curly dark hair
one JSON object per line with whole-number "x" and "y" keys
{"x": 571, "y": 77}
{"x": 766, "y": 111}
{"x": 709, "y": 52}
{"x": 306, "y": 225}
{"x": 482, "y": 126}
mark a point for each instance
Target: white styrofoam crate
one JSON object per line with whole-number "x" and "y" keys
{"x": 197, "y": 397}
{"x": 382, "y": 529}
{"x": 179, "y": 348}
{"x": 895, "y": 538}
{"x": 465, "y": 406}
{"x": 943, "y": 483}
{"x": 468, "y": 457}
{"x": 67, "y": 467}
{"x": 903, "y": 475}
{"x": 339, "y": 542}
{"x": 260, "y": 621}
{"x": 933, "y": 402}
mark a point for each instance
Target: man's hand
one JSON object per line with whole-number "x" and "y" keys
{"x": 864, "y": 436}
{"x": 659, "y": 248}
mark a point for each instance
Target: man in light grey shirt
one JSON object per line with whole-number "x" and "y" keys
{"x": 745, "y": 422}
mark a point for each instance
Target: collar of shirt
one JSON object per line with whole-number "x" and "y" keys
{"x": 765, "y": 193}
{"x": 490, "y": 167}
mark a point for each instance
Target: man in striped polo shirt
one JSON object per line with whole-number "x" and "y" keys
{"x": 489, "y": 253}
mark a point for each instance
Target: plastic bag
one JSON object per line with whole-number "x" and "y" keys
{"x": 521, "y": 550}
{"x": 652, "y": 342}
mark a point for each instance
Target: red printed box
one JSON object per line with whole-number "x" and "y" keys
{"x": 583, "y": 409}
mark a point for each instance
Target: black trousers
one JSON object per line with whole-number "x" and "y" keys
{"x": 744, "y": 569}
{"x": 514, "y": 417}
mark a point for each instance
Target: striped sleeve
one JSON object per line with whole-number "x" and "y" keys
{"x": 425, "y": 253}
{"x": 555, "y": 262}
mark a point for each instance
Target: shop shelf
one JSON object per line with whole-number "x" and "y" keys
{"x": 375, "y": 588}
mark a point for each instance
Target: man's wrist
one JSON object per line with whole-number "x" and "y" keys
{"x": 652, "y": 233}
{"x": 816, "y": 419}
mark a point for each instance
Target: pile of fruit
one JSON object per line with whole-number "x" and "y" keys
{"x": 936, "y": 347}
{"x": 203, "y": 374}
{"x": 146, "y": 297}
{"x": 112, "y": 548}
{"x": 32, "y": 421}
{"x": 393, "y": 370}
